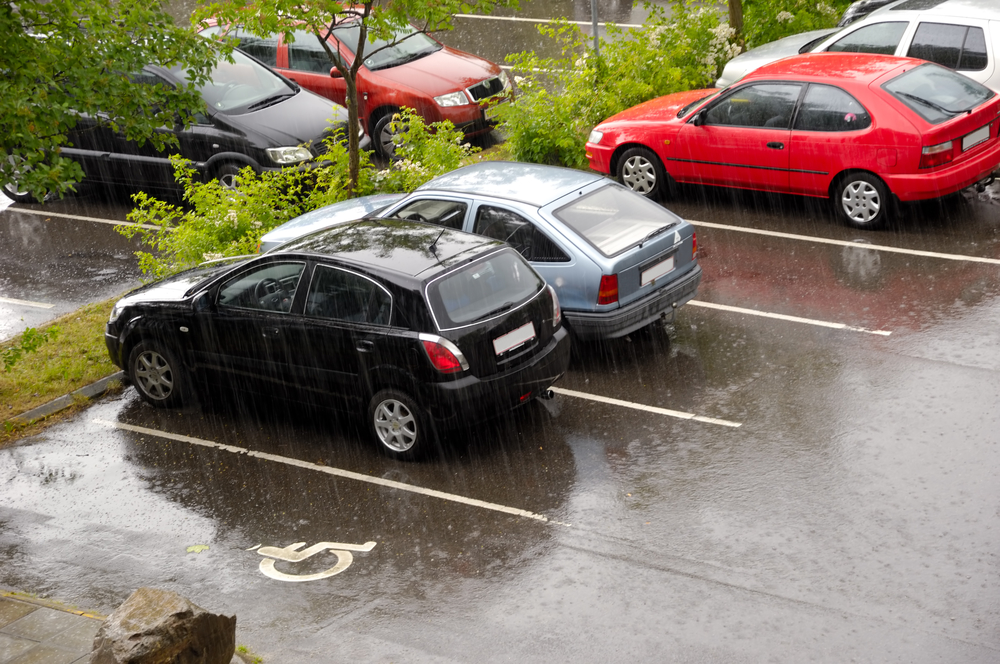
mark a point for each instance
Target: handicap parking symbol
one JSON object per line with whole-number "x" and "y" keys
{"x": 292, "y": 554}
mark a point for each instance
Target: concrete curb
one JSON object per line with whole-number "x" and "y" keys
{"x": 91, "y": 391}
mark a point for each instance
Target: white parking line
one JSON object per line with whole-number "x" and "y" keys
{"x": 338, "y": 472}
{"x": 649, "y": 409}
{"x": 848, "y": 243}
{"x": 96, "y": 220}
{"x": 26, "y": 303}
{"x": 543, "y": 20}
{"x": 793, "y": 319}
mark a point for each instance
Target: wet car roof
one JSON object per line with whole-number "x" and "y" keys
{"x": 535, "y": 184}
{"x": 396, "y": 246}
{"x": 862, "y": 68}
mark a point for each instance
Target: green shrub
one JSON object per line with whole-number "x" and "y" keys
{"x": 216, "y": 222}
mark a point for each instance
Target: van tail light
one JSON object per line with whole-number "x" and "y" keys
{"x": 935, "y": 155}
{"x": 443, "y": 354}
{"x": 607, "y": 293}
{"x": 694, "y": 246}
{"x": 556, "y": 310}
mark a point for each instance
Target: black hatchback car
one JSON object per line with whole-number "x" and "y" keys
{"x": 252, "y": 117}
{"x": 417, "y": 326}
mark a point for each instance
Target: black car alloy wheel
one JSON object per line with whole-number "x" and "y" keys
{"x": 399, "y": 424}
{"x": 156, "y": 374}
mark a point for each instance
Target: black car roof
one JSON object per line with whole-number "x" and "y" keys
{"x": 394, "y": 246}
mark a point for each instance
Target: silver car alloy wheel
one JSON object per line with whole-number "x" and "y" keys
{"x": 639, "y": 174}
{"x": 861, "y": 201}
{"x": 154, "y": 375}
{"x": 395, "y": 425}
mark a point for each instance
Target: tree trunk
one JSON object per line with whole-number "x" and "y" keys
{"x": 736, "y": 19}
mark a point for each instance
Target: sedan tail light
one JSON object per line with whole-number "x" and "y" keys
{"x": 935, "y": 155}
{"x": 607, "y": 293}
{"x": 443, "y": 354}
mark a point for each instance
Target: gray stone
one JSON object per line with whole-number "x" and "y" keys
{"x": 161, "y": 627}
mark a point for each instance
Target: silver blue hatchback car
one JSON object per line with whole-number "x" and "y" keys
{"x": 617, "y": 260}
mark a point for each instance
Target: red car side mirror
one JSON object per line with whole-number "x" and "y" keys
{"x": 335, "y": 73}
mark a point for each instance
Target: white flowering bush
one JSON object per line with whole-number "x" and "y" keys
{"x": 216, "y": 222}
{"x": 767, "y": 20}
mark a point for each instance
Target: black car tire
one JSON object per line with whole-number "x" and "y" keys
{"x": 641, "y": 170}
{"x": 862, "y": 200}
{"x": 11, "y": 190}
{"x": 400, "y": 425}
{"x": 226, "y": 174}
{"x": 157, "y": 375}
{"x": 382, "y": 137}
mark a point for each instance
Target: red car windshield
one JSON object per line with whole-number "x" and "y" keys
{"x": 405, "y": 46}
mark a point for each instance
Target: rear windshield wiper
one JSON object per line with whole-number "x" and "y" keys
{"x": 499, "y": 310}
{"x": 661, "y": 229}
{"x": 927, "y": 102}
{"x": 270, "y": 101}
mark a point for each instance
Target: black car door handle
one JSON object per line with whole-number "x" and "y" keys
{"x": 268, "y": 332}
{"x": 365, "y": 346}
{"x": 776, "y": 145}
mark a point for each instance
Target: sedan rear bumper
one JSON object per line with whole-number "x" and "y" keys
{"x": 632, "y": 316}
{"x": 471, "y": 399}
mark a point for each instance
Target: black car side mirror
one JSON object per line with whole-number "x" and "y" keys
{"x": 203, "y": 302}
{"x": 698, "y": 119}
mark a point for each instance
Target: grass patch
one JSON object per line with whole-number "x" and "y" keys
{"x": 73, "y": 359}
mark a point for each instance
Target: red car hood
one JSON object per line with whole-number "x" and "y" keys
{"x": 441, "y": 72}
{"x": 661, "y": 109}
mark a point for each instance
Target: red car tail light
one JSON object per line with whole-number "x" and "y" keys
{"x": 556, "y": 310}
{"x": 935, "y": 155}
{"x": 443, "y": 354}
{"x": 694, "y": 245}
{"x": 607, "y": 293}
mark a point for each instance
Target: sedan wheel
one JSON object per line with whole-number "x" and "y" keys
{"x": 13, "y": 189}
{"x": 862, "y": 200}
{"x": 399, "y": 424}
{"x": 157, "y": 375}
{"x": 641, "y": 171}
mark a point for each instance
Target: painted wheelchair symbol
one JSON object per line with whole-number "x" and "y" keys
{"x": 292, "y": 554}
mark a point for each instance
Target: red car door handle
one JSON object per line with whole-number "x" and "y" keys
{"x": 776, "y": 145}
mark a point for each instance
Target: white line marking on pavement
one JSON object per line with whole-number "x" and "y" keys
{"x": 26, "y": 303}
{"x": 648, "y": 409}
{"x": 96, "y": 220}
{"x": 543, "y": 20}
{"x": 793, "y": 319}
{"x": 849, "y": 243}
{"x": 338, "y": 472}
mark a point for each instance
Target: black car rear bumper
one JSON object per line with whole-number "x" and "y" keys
{"x": 632, "y": 316}
{"x": 472, "y": 399}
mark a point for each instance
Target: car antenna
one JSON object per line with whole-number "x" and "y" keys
{"x": 434, "y": 243}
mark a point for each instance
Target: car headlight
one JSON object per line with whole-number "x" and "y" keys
{"x": 116, "y": 311}
{"x": 595, "y": 136}
{"x": 289, "y": 155}
{"x": 452, "y": 99}
{"x": 505, "y": 79}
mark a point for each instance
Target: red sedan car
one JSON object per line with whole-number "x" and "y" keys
{"x": 855, "y": 128}
{"x": 413, "y": 70}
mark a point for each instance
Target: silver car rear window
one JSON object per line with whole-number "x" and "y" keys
{"x": 482, "y": 290}
{"x": 613, "y": 219}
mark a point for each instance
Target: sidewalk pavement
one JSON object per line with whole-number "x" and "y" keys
{"x": 36, "y": 632}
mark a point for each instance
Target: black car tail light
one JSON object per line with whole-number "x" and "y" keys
{"x": 556, "y": 310}
{"x": 443, "y": 354}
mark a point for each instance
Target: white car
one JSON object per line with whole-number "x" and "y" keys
{"x": 961, "y": 34}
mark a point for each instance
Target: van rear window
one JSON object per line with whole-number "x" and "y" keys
{"x": 483, "y": 289}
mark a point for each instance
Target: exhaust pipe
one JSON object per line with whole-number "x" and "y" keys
{"x": 547, "y": 394}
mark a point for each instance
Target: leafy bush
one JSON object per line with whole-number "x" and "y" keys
{"x": 31, "y": 341}
{"x": 216, "y": 222}
{"x": 563, "y": 97}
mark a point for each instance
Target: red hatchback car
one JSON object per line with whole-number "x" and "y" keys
{"x": 414, "y": 70}
{"x": 856, "y": 128}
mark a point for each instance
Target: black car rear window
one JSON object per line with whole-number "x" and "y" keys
{"x": 483, "y": 289}
{"x": 937, "y": 94}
